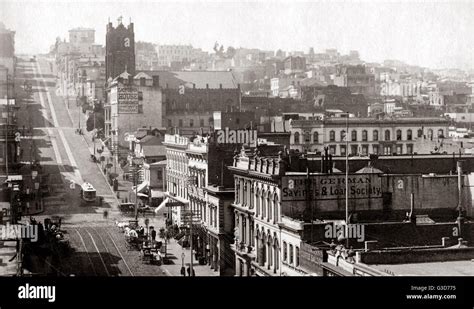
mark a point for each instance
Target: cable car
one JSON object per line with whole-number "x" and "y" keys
{"x": 88, "y": 192}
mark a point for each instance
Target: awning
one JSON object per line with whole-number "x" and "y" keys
{"x": 142, "y": 195}
{"x": 157, "y": 193}
{"x": 163, "y": 204}
{"x": 141, "y": 187}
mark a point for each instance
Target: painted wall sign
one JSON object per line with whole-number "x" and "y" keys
{"x": 127, "y": 99}
{"x": 330, "y": 187}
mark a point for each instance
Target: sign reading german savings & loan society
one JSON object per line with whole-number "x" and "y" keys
{"x": 330, "y": 187}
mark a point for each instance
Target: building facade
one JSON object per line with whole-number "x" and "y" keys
{"x": 366, "y": 135}
{"x": 119, "y": 50}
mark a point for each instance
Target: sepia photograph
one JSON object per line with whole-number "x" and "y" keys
{"x": 223, "y": 139}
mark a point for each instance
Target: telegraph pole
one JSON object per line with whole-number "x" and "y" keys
{"x": 347, "y": 179}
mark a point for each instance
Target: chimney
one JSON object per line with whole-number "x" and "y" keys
{"x": 156, "y": 81}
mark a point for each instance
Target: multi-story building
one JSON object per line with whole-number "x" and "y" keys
{"x": 355, "y": 78}
{"x": 173, "y": 53}
{"x": 146, "y": 56}
{"x": 132, "y": 103}
{"x": 366, "y": 135}
{"x": 7, "y": 49}
{"x": 294, "y": 64}
{"x": 177, "y": 177}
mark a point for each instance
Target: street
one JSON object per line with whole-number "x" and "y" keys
{"x": 99, "y": 248}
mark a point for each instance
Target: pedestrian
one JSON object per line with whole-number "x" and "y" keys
{"x": 106, "y": 214}
{"x": 183, "y": 271}
{"x": 153, "y": 235}
{"x": 189, "y": 270}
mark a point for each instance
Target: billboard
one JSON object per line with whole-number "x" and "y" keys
{"x": 330, "y": 187}
{"x": 127, "y": 100}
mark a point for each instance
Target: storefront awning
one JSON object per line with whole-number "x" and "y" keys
{"x": 157, "y": 194}
{"x": 163, "y": 204}
{"x": 141, "y": 187}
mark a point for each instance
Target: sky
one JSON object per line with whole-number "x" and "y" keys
{"x": 426, "y": 33}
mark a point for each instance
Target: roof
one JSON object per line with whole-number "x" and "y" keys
{"x": 161, "y": 163}
{"x": 199, "y": 78}
{"x": 448, "y": 268}
{"x": 151, "y": 140}
{"x": 154, "y": 150}
{"x": 369, "y": 170}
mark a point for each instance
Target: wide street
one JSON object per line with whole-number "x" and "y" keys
{"x": 99, "y": 247}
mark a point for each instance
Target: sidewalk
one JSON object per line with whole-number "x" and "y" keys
{"x": 175, "y": 251}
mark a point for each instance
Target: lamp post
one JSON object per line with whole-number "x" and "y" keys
{"x": 136, "y": 161}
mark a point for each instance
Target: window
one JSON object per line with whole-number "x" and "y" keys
{"x": 307, "y": 137}
{"x": 375, "y": 135}
{"x": 332, "y": 149}
{"x": 285, "y": 251}
{"x": 420, "y": 133}
{"x": 343, "y": 135}
{"x": 387, "y": 135}
{"x": 315, "y": 137}
{"x": 364, "y": 135}
{"x": 201, "y": 122}
{"x": 332, "y": 136}
{"x": 430, "y": 134}
{"x": 343, "y": 150}
{"x": 399, "y": 135}
{"x": 375, "y": 149}
{"x": 354, "y": 135}
{"x": 365, "y": 150}
{"x": 387, "y": 150}
{"x": 409, "y": 148}
{"x": 399, "y": 149}
{"x": 409, "y": 135}
{"x": 142, "y": 81}
{"x": 291, "y": 254}
{"x": 440, "y": 133}
{"x": 297, "y": 256}
{"x": 180, "y": 122}
{"x": 296, "y": 138}
{"x": 191, "y": 123}
{"x": 354, "y": 150}
{"x": 170, "y": 123}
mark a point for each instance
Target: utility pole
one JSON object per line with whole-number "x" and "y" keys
{"x": 347, "y": 179}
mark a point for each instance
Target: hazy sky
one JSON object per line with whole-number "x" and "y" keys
{"x": 427, "y": 33}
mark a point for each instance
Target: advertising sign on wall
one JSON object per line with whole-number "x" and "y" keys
{"x": 127, "y": 99}
{"x": 330, "y": 187}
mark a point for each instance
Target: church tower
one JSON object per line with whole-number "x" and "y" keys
{"x": 119, "y": 49}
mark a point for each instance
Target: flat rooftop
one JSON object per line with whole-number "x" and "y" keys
{"x": 448, "y": 268}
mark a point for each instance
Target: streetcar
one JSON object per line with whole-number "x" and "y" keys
{"x": 88, "y": 192}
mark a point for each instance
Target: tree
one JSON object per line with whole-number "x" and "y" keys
{"x": 230, "y": 52}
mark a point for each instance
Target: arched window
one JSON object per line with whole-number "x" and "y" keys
{"x": 440, "y": 133}
{"x": 343, "y": 135}
{"x": 285, "y": 252}
{"x": 430, "y": 134}
{"x": 276, "y": 207}
{"x": 419, "y": 133}
{"x": 364, "y": 135}
{"x": 409, "y": 135}
{"x": 332, "y": 136}
{"x": 387, "y": 135}
{"x": 264, "y": 206}
{"x": 399, "y": 135}
{"x": 269, "y": 205}
{"x": 354, "y": 135}
{"x": 307, "y": 137}
{"x": 315, "y": 137}
{"x": 257, "y": 201}
{"x": 296, "y": 138}
{"x": 375, "y": 135}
